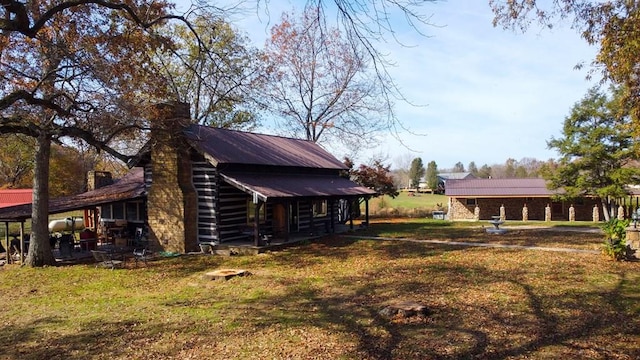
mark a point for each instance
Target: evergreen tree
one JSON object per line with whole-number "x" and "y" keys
{"x": 596, "y": 149}
{"x": 416, "y": 172}
{"x": 484, "y": 172}
{"x": 472, "y": 168}
{"x": 432, "y": 176}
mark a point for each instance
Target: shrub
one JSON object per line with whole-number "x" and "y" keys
{"x": 615, "y": 244}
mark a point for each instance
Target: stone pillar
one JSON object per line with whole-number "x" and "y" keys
{"x": 525, "y": 213}
{"x": 503, "y": 215}
{"x": 476, "y": 213}
{"x": 547, "y": 213}
{"x": 620, "y": 212}
{"x": 572, "y": 213}
{"x": 633, "y": 238}
{"x": 596, "y": 214}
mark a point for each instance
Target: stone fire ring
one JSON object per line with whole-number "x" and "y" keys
{"x": 224, "y": 274}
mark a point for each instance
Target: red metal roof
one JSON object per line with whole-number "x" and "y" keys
{"x": 498, "y": 188}
{"x": 236, "y": 147}
{"x": 12, "y": 197}
{"x": 131, "y": 186}
{"x": 288, "y": 186}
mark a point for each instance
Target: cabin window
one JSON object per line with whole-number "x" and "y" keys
{"x": 472, "y": 202}
{"x": 251, "y": 212}
{"x": 320, "y": 208}
{"x": 118, "y": 211}
{"x": 132, "y": 211}
{"x": 105, "y": 212}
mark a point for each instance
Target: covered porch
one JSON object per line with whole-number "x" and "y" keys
{"x": 301, "y": 205}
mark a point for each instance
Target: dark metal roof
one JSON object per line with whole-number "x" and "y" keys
{"x": 131, "y": 186}
{"x": 224, "y": 146}
{"x": 498, "y": 188}
{"x": 267, "y": 186}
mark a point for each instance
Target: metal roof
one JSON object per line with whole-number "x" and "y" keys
{"x": 224, "y": 146}
{"x": 528, "y": 187}
{"x": 12, "y": 197}
{"x": 456, "y": 176}
{"x": 267, "y": 186}
{"x": 131, "y": 186}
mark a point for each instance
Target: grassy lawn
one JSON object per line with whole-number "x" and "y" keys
{"x": 322, "y": 300}
{"x": 404, "y": 201}
{"x": 418, "y": 200}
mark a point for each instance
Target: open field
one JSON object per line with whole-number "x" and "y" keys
{"x": 321, "y": 300}
{"x": 405, "y": 205}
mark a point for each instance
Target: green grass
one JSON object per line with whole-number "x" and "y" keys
{"x": 322, "y": 300}
{"x": 425, "y": 201}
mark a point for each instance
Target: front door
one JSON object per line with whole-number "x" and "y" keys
{"x": 279, "y": 220}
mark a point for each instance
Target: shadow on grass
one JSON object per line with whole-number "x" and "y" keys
{"x": 513, "y": 308}
{"x": 461, "y": 328}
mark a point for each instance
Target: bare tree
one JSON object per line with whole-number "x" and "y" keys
{"x": 319, "y": 85}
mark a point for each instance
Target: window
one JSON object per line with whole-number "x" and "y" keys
{"x": 105, "y": 212}
{"x": 132, "y": 211}
{"x": 320, "y": 208}
{"x": 472, "y": 202}
{"x": 118, "y": 211}
{"x": 251, "y": 211}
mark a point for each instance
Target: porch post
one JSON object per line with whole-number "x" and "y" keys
{"x": 22, "y": 242}
{"x": 287, "y": 215}
{"x": 351, "y": 214}
{"x": 256, "y": 224}
{"x": 332, "y": 222}
{"x": 311, "y": 225}
{"x": 366, "y": 210}
{"x": 6, "y": 238}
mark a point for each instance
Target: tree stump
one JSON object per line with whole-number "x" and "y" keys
{"x": 224, "y": 274}
{"x": 405, "y": 309}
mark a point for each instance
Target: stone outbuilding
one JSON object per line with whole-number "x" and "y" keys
{"x": 481, "y": 199}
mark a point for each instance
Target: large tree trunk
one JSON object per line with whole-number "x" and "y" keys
{"x": 39, "y": 248}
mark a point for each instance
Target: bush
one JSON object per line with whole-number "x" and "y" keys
{"x": 615, "y": 244}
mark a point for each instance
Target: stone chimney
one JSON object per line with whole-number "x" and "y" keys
{"x": 172, "y": 199}
{"x": 98, "y": 179}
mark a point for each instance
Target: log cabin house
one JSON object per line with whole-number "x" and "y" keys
{"x": 212, "y": 185}
{"x": 192, "y": 185}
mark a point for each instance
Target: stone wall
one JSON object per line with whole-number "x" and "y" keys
{"x": 172, "y": 200}
{"x": 513, "y": 209}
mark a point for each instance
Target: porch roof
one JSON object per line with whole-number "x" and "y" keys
{"x": 130, "y": 187}
{"x": 272, "y": 186}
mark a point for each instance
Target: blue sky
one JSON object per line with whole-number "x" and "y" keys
{"x": 486, "y": 94}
